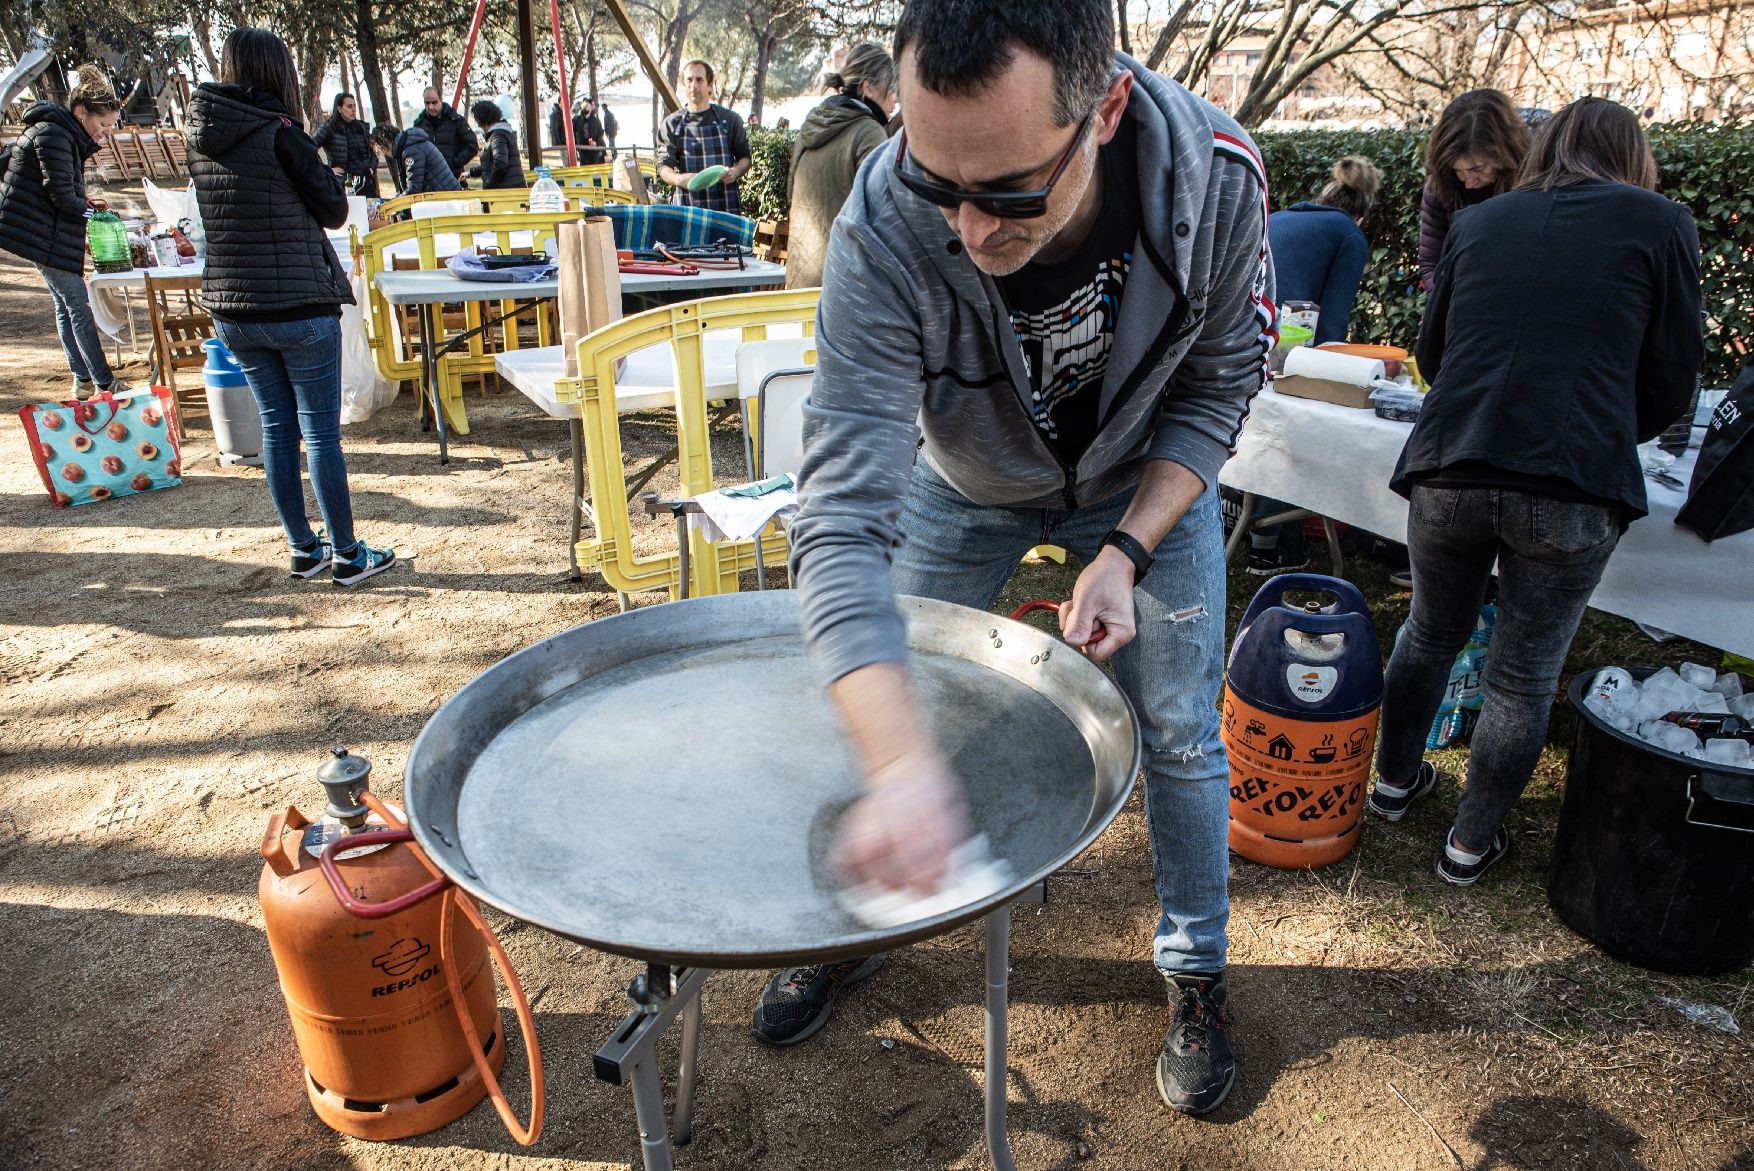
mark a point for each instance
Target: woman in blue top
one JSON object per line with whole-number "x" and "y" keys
{"x": 1319, "y": 250}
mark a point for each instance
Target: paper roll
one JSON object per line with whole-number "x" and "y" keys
{"x": 1334, "y": 367}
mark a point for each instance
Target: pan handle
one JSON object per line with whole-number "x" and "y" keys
{"x": 1097, "y": 631}
{"x": 359, "y": 908}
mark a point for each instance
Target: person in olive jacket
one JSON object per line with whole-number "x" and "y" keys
{"x": 1562, "y": 331}
{"x": 275, "y": 288}
{"x": 449, "y": 132}
{"x": 43, "y": 212}
{"x": 499, "y": 157}
{"x": 835, "y": 138}
{"x": 347, "y": 144}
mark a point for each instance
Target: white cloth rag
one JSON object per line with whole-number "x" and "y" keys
{"x": 974, "y": 875}
{"x": 737, "y": 518}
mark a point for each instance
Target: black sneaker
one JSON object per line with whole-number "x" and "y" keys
{"x": 362, "y": 563}
{"x": 313, "y": 559}
{"x": 1197, "y": 1066}
{"x": 1391, "y": 802}
{"x": 798, "y": 1001}
{"x": 1464, "y": 869}
{"x": 1274, "y": 561}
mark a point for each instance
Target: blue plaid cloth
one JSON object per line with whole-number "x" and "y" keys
{"x": 641, "y": 225}
{"x": 695, "y": 140}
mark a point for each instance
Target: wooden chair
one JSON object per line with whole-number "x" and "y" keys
{"x": 179, "y": 325}
{"x": 134, "y": 153}
{"x": 770, "y": 240}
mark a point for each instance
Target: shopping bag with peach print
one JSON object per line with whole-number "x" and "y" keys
{"x": 107, "y": 446}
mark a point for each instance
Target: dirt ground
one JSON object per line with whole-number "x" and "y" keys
{"x": 166, "y": 688}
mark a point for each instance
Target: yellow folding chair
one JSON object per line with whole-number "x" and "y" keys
{"x": 495, "y": 200}
{"x": 429, "y": 243}
{"x": 712, "y": 568}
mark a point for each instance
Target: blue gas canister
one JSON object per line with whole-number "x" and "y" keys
{"x": 237, "y": 424}
{"x": 1301, "y": 698}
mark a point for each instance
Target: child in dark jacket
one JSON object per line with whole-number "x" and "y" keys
{"x": 499, "y": 154}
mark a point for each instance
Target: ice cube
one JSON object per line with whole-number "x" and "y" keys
{"x": 1700, "y": 676}
{"x": 1728, "y": 751}
{"x": 1673, "y": 738}
{"x": 1712, "y": 702}
{"x": 1728, "y": 685}
{"x": 1743, "y": 705}
{"x": 1663, "y": 678}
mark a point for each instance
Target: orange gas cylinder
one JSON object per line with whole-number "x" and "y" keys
{"x": 384, "y": 1055}
{"x": 1301, "y": 696}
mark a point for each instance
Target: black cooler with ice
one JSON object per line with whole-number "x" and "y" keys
{"x": 1654, "y": 855}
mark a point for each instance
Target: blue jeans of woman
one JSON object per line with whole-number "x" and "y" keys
{"x": 1550, "y": 555}
{"x": 294, "y": 370}
{"x": 80, "y": 339}
{"x": 958, "y": 551}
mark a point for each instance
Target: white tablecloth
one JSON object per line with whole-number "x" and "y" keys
{"x": 1337, "y": 461}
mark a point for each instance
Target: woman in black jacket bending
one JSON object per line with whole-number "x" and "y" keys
{"x": 347, "y": 144}
{"x": 43, "y": 211}
{"x": 499, "y": 147}
{"x": 275, "y": 287}
{"x": 1563, "y": 331}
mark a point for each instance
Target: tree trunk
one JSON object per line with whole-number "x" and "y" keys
{"x": 1121, "y": 27}
{"x": 395, "y": 102}
{"x": 371, "y": 64}
{"x": 764, "y": 47}
{"x": 438, "y": 69}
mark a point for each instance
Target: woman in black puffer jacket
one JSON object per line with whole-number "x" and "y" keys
{"x": 347, "y": 144}
{"x": 275, "y": 287}
{"x": 499, "y": 150}
{"x": 43, "y": 212}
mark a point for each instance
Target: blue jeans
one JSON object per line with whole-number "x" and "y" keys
{"x": 959, "y": 551}
{"x": 294, "y": 370}
{"x": 1550, "y": 555}
{"x": 80, "y": 340}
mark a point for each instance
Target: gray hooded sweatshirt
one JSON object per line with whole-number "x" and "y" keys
{"x": 915, "y": 343}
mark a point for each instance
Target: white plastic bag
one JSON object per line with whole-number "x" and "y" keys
{"x": 172, "y": 205}
{"x": 364, "y": 391}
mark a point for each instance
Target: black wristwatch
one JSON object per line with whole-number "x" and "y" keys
{"x": 1136, "y": 553}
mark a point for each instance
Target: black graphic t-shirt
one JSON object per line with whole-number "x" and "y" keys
{"x": 1064, "y": 313}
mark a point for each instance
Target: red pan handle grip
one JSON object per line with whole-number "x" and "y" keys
{"x": 1097, "y": 630}
{"x": 360, "y": 908}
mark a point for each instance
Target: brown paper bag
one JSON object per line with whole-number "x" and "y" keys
{"x": 590, "y": 283}
{"x": 636, "y": 179}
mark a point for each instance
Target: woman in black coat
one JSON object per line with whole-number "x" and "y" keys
{"x": 346, "y": 143}
{"x": 1563, "y": 330}
{"x": 275, "y": 288}
{"x": 417, "y": 165}
{"x": 499, "y": 150}
{"x": 43, "y": 211}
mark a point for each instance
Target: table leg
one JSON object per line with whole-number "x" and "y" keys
{"x": 429, "y": 374}
{"x": 577, "y": 427}
{"x": 682, "y": 1121}
{"x": 648, "y": 1108}
{"x": 1339, "y": 562}
{"x": 1241, "y": 528}
{"x": 997, "y": 1065}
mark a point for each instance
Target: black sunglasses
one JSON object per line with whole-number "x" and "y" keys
{"x": 1005, "y": 205}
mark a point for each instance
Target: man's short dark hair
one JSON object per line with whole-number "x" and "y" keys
{"x": 703, "y": 65}
{"x": 952, "y": 57}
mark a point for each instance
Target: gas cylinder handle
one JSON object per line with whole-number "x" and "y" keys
{"x": 1098, "y": 631}
{"x": 359, "y": 908}
{"x": 1346, "y": 595}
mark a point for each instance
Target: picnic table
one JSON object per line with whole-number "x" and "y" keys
{"x": 1337, "y": 461}
{"x": 426, "y": 289}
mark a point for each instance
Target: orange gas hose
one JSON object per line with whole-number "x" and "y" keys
{"x": 526, "y": 1023}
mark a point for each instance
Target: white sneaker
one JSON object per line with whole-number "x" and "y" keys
{"x": 83, "y": 388}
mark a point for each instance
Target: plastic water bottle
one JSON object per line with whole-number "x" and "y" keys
{"x": 108, "y": 241}
{"x": 545, "y": 193}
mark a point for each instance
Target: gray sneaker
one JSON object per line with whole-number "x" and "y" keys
{"x": 117, "y": 386}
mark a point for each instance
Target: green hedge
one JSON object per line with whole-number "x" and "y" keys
{"x": 1708, "y": 167}
{"x": 763, "y": 190}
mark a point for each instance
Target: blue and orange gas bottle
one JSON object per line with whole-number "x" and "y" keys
{"x": 1301, "y": 697}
